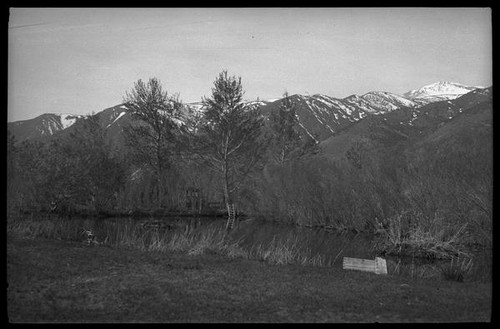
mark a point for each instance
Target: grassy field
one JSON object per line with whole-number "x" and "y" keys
{"x": 60, "y": 281}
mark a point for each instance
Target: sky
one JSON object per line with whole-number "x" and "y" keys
{"x": 83, "y": 60}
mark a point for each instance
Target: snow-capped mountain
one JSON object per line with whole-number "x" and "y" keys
{"x": 322, "y": 116}
{"x": 113, "y": 119}
{"x": 386, "y": 102}
{"x": 44, "y": 125}
{"x": 469, "y": 111}
{"x": 319, "y": 116}
{"x": 438, "y": 91}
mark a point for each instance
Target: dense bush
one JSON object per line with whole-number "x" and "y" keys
{"x": 427, "y": 198}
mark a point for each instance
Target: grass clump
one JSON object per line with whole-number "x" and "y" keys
{"x": 411, "y": 233}
{"x": 285, "y": 251}
{"x": 457, "y": 270}
{"x": 215, "y": 240}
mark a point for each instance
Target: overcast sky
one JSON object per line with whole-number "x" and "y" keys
{"x": 73, "y": 60}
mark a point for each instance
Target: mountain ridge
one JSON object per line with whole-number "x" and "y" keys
{"x": 319, "y": 116}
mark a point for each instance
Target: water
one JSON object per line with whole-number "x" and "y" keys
{"x": 313, "y": 241}
{"x": 331, "y": 247}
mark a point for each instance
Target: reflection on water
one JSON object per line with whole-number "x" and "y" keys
{"x": 331, "y": 246}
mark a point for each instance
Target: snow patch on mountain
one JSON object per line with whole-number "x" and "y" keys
{"x": 362, "y": 104}
{"x": 385, "y": 101}
{"x": 116, "y": 119}
{"x": 58, "y": 121}
{"x": 380, "y": 101}
{"x": 258, "y": 103}
{"x": 302, "y": 126}
{"x": 325, "y": 100}
{"x": 438, "y": 91}
{"x": 318, "y": 112}
{"x": 67, "y": 120}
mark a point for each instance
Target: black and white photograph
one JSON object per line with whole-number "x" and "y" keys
{"x": 249, "y": 165}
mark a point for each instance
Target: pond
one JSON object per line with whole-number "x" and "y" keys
{"x": 333, "y": 246}
{"x": 261, "y": 237}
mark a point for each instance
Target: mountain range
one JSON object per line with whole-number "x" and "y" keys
{"x": 418, "y": 124}
{"x": 332, "y": 122}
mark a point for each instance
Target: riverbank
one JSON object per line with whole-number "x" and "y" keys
{"x": 62, "y": 281}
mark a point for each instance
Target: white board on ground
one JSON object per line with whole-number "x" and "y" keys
{"x": 377, "y": 266}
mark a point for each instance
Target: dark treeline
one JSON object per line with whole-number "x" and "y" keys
{"x": 180, "y": 161}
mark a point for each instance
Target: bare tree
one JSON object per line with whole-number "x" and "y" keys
{"x": 154, "y": 139}
{"x": 286, "y": 138}
{"x": 229, "y": 137}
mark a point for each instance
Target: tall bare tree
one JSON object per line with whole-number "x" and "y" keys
{"x": 154, "y": 139}
{"x": 229, "y": 138}
{"x": 286, "y": 139}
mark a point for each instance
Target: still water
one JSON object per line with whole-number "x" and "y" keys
{"x": 330, "y": 246}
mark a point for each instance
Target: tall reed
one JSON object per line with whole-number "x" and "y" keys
{"x": 412, "y": 233}
{"x": 283, "y": 251}
{"x": 209, "y": 239}
{"x": 457, "y": 270}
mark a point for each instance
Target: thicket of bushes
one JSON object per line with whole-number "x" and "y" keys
{"x": 432, "y": 199}
{"x": 68, "y": 177}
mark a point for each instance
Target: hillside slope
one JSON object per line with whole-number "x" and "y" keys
{"x": 409, "y": 125}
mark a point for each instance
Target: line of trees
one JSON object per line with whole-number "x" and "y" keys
{"x": 68, "y": 174}
{"x": 229, "y": 139}
{"x": 169, "y": 151}
{"x": 230, "y": 152}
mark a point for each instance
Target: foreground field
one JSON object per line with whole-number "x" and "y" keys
{"x": 56, "y": 281}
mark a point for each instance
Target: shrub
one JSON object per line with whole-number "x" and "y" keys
{"x": 412, "y": 233}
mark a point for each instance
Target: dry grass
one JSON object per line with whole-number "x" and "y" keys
{"x": 45, "y": 228}
{"x": 410, "y": 233}
{"x": 285, "y": 251}
{"x": 207, "y": 239}
{"x": 457, "y": 270}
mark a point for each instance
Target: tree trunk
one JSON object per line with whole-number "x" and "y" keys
{"x": 282, "y": 158}
{"x": 93, "y": 202}
{"x": 227, "y": 198}
{"x": 160, "y": 172}
{"x": 160, "y": 192}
